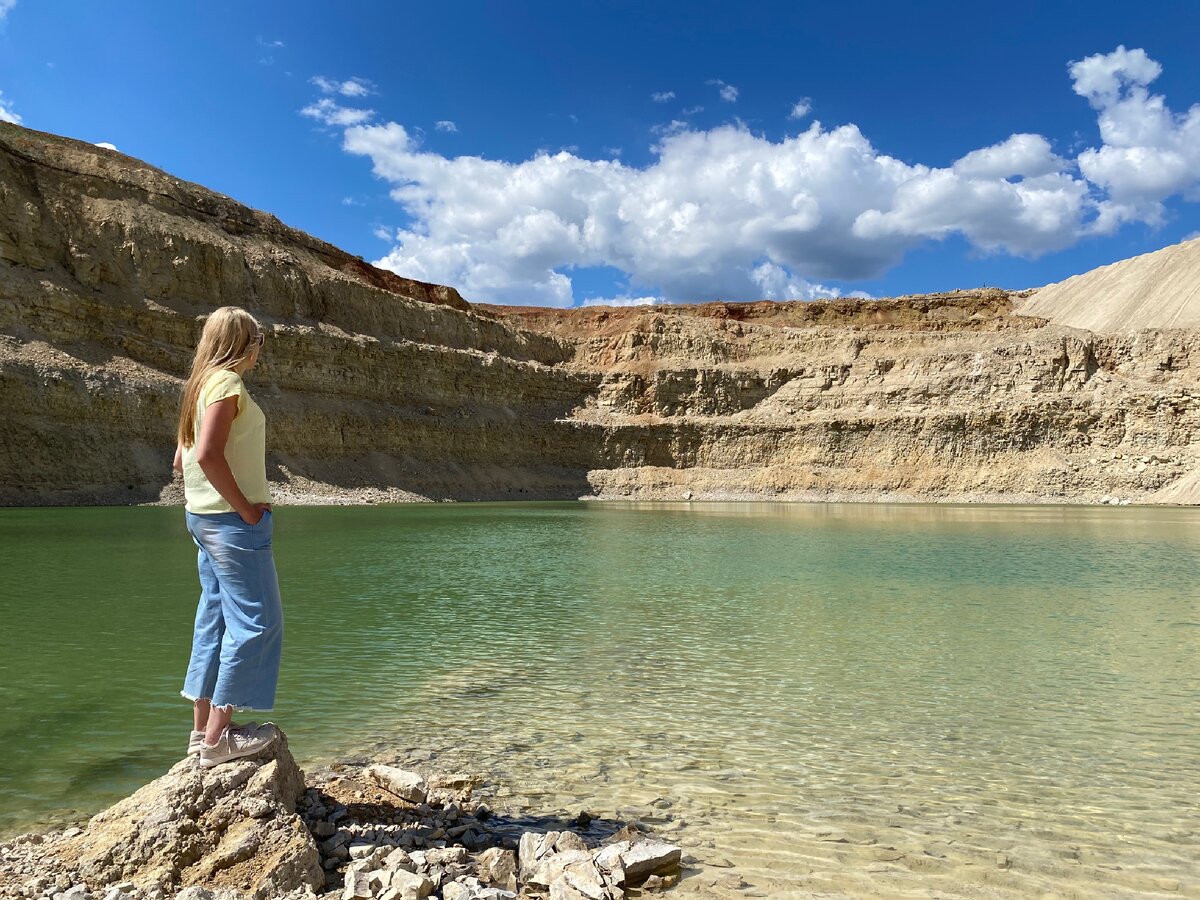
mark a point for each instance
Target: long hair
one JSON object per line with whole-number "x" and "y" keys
{"x": 230, "y": 335}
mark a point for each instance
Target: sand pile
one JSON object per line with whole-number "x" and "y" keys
{"x": 1155, "y": 290}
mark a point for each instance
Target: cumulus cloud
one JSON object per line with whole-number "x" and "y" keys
{"x": 727, "y": 91}
{"x": 351, "y": 87}
{"x": 5, "y": 6}
{"x": 728, "y": 213}
{"x": 106, "y": 145}
{"x": 7, "y": 113}
{"x": 446, "y": 125}
{"x": 1148, "y": 152}
{"x": 800, "y": 108}
{"x": 662, "y": 96}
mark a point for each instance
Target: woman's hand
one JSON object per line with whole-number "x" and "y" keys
{"x": 257, "y": 511}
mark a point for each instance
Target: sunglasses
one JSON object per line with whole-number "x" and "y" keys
{"x": 259, "y": 340}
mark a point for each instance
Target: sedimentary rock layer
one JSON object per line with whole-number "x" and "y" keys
{"x": 377, "y": 384}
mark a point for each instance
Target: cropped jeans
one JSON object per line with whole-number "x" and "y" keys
{"x": 238, "y": 637}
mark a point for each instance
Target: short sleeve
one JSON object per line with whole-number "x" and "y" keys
{"x": 223, "y": 384}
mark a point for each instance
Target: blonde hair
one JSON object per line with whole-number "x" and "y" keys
{"x": 229, "y": 337}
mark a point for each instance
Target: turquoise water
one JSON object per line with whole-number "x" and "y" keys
{"x": 846, "y": 699}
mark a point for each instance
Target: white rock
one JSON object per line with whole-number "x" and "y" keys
{"x": 498, "y": 866}
{"x": 358, "y": 883}
{"x": 406, "y": 785}
{"x": 649, "y": 857}
{"x": 405, "y": 885}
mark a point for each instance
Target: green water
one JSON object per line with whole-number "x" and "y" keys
{"x": 850, "y": 699}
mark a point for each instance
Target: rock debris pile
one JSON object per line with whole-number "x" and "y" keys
{"x": 253, "y": 829}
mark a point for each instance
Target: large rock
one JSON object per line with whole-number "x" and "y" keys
{"x": 230, "y": 827}
{"x": 542, "y": 857}
{"x": 404, "y": 784}
{"x": 631, "y": 862}
{"x": 498, "y": 866}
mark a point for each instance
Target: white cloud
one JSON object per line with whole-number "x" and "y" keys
{"x": 351, "y": 87}
{"x": 273, "y": 43}
{"x": 383, "y": 232}
{"x": 692, "y": 110}
{"x": 1026, "y": 155}
{"x": 800, "y": 108}
{"x": 106, "y": 145}
{"x": 5, "y": 7}
{"x": 1148, "y": 153}
{"x": 727, "y": 91}
{"x": 7, "y": 114}
{"x": 662, "y": 96}
{"x": 731, "y": 214}
{"x": 446, "y": 125}
{"x": 673, "y": 127}
{"x": 330, "y": 112}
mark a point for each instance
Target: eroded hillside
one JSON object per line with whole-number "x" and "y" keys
{"x": 380, "y": 387}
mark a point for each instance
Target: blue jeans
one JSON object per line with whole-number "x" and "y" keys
{"x": 239, "y": 620}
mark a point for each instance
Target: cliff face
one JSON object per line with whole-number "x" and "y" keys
{"x": 374, "y": 382}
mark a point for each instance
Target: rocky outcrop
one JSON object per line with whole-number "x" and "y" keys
{"x": 377, "y": 387}
{"x": 232, "y": 827}
{"x": 252, "y": 830}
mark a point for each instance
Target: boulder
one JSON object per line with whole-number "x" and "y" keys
{"x": 231, "y": 827}
{"x": 580, "y": 879}
{"x": 498, "y": 866}
{"x": 406, "y": 785}
{"x": 404, "y": 885}
{"x": 542, "y": 857}
{"x": 649, "y": 857}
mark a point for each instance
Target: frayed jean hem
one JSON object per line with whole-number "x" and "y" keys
{"x": 231, "y": 706}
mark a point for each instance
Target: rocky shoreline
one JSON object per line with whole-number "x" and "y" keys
{"x": 258, "y": 829}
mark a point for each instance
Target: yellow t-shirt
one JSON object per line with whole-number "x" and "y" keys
{"x": 246, "y": 449}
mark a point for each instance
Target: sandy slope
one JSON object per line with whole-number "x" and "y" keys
{"x": 1155, "y": 290}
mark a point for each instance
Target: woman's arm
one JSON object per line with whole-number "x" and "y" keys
{"x": 177, "y": 465}
{"x": 210, "y": 454}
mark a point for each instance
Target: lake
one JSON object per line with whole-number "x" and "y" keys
{"x": 846, "y": 700}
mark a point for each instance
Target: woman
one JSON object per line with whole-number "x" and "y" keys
{"x": 239, "y": 622}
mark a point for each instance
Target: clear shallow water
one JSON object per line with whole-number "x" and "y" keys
{"x": 839, "y": 700}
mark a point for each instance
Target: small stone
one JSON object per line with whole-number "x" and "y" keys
{"x": 447, "y": 856}
{"x": 653, "y": 883}
{"x": 341, "y": 838}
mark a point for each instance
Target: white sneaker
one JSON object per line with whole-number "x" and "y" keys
{"x": 196, "y": 739}
{"x": 235, "y": 745}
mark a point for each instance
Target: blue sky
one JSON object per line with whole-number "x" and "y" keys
{"x": 792, "y": 150}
